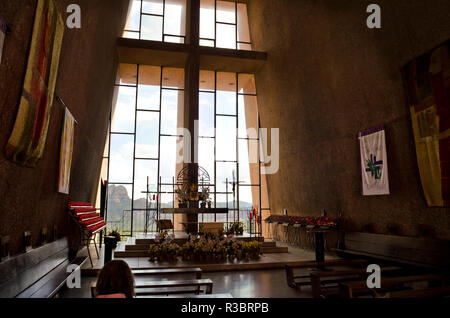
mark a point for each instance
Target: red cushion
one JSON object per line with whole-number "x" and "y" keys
{"x": 84, "y": 211}
{"x": 96, "y": 227}
{"x": 86, "y": 204}
{"x": 92, "y": 221}
{"x": 83, "y": 217}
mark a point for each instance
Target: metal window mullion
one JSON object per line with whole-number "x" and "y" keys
{"x": 215, "y": 134}
{"x": 109, "y": 162}
{"x": 236, "y": 32}
{"x": 215, "y": 35}
{"x": 140, "y": 28}
{"x": 259, "y": 173}
{"x": 152, "y": 14}
{"x": 163, "y": 24}
{"x": 237, "y": 144}
{"x": 134, "y": 146}
{"x": 159, "y": 135}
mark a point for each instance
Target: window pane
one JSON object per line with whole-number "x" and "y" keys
{"x": 242, "y": 23}
{"x": 226, "y": 103}
{"x": 121, "y": 164}
{"x": 207, "y": 19}
{"x": 152, "y": 6}
{"x": 209, "y": 43}
{"x": 226, "y": 36}
{"x": 126, "y": 74}
{"x": 226, "y": 11}
{"x": 206, "y": 156}
{"x": 119, "y": 199}
{"x": 151, "y": 28}
{"x": 147, "y": 134}
{"x": 149, "y": 89}
{"x": 226, "y": 93}
{"x": 244, "y": 46}
{"x": 131, "y": 35}
{"x": 173, "y": 39}
{"x": 248, "y": 199}
{"x": 175, "y": 17}
{"x": 103, "y": 177}
{"x": 225, "y": 170}
{"x": 248, "y": 117}
{"x": 144, "y": 169}
{"x": 207, "y": 80}
{"x": 226, "y": 81}
{"x": 171, "y": 111}
{"x": 206, "y": 114}
{"x": 173, "y": 77}
{"x": 133, "y": 18}
{"x": 246, "y": 84}
{"x": 124, "y": 110}
{"x": 169, "y": 146}
{"x": 226, "y": 138}
{"x": 248, "y": 162}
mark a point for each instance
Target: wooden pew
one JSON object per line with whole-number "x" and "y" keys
{"x": 320, "y": 280}
{"x": 291, "y": 278}
{"x": 435, "y": 292}
{"x": 166, "y": 287}
{"x": 169, "y": 271}
{"x": 423, "y": 252}
{"x": 39, "y": 273}
{"x": 357, "y": 288}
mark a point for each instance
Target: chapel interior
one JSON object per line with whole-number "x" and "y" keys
{"x": 225, "y": 148}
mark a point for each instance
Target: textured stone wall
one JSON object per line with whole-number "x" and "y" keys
{"x": 28, "y": 197}
{"x": 327, "y": 77}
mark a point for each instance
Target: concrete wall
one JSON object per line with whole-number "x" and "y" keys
{"x": 28, "y": 197}
{"x": 328, "y": 76}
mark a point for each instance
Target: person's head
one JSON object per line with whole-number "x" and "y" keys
{"x": 116, "y": 277}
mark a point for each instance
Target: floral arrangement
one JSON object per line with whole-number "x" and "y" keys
{"x": 236, "y": 228}
{"x": 309, "y": 221}
{"x": 205, "y": 248}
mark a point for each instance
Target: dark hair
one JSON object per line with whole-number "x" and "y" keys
{"x": 115, "y": 277}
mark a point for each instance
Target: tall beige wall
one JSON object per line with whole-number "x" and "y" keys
{"x": 28, "y": 196}
{"x": 327, "y": 77}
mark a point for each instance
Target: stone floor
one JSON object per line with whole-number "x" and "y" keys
{"x": 245, "y": 284}
{"x": 265, "y": 283}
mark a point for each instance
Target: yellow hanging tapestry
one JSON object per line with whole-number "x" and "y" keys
{"x": 428, "y": 85}
{"x": 27, "y": 141}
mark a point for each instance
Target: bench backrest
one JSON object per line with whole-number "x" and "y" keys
{"x": 403, "y": 249}
{"x": 20, "y": 272}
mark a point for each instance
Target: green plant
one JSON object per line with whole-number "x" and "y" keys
{"x": 116, "y": 234}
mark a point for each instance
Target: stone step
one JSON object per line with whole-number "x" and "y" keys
{"x": 268, "y": 250}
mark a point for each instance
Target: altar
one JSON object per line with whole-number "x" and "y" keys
{"x": 191, "y": 226}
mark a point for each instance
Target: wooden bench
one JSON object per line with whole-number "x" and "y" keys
{"x": 167, "y": 287}
{"x": 414, "y": 251}
{"x": 358, "y": 288}
{"x": 39, "y": 273}
{"x": 321, "y": 281}
{"x": 292, "y": 279}
{"x": 90, "y": 223}
{"x": 436, "y": 292}
{"x": 169, "y": 271}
